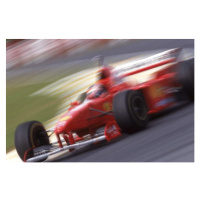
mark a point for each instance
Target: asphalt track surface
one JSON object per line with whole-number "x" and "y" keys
{"x": 169, "y": 136}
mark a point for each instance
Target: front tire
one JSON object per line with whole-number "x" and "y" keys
{"x": 29, "y": 135}
{"x": 130, "y": 111}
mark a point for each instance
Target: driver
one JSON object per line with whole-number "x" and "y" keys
{"x": 95, "y": 91}
{"x": 104, "y": 72}
{"x": 104, "y": 77}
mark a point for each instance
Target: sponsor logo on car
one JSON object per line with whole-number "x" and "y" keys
{"x": 65, "y": 118}
{"x": 111, "y": 129}
{"x": 156, "y": 91}
{"x": 107, "y": 106}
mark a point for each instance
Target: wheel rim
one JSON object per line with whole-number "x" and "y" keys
{"x": 40, "y": 139}
{"x": 139, "y": 108}
{"x": 39, "y": 136}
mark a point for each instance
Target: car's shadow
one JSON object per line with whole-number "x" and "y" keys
{"x": 103, "y": 144}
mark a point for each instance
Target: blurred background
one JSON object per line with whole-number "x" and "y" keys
{"x": 44, "y": 76}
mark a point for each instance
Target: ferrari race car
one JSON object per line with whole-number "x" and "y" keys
{"x": 111, "y": 107}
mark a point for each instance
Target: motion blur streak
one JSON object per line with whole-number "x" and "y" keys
{"x": 36, "y": 51}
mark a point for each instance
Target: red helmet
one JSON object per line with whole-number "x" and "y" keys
{"x": 104, "y": 72}
{"x": 95, "y": 91}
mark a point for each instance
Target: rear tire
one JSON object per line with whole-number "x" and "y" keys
{"x": 29, "y": 135}
{"x": 130, "y": 111}
{"x": 185, "y": 76}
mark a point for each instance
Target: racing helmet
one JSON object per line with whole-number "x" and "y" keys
{"x": 95, "y": 91}
{"x": 104, "y": 72}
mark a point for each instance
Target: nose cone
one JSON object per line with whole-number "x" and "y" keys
{"x": 64, "y": 122}
{"x": 73, "y": 120}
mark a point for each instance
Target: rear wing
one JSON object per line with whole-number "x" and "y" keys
{"x": 151, "y": 62}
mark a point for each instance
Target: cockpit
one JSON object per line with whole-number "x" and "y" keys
{"x": 95, "y": 91}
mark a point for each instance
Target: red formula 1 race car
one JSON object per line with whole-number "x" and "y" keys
{"x": 111, "y": 107}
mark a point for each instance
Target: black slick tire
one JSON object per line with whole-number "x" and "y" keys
{"x": 185, "y": 76}
{"x": 29, "y": 135}
{"x": 130, "y": 110}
